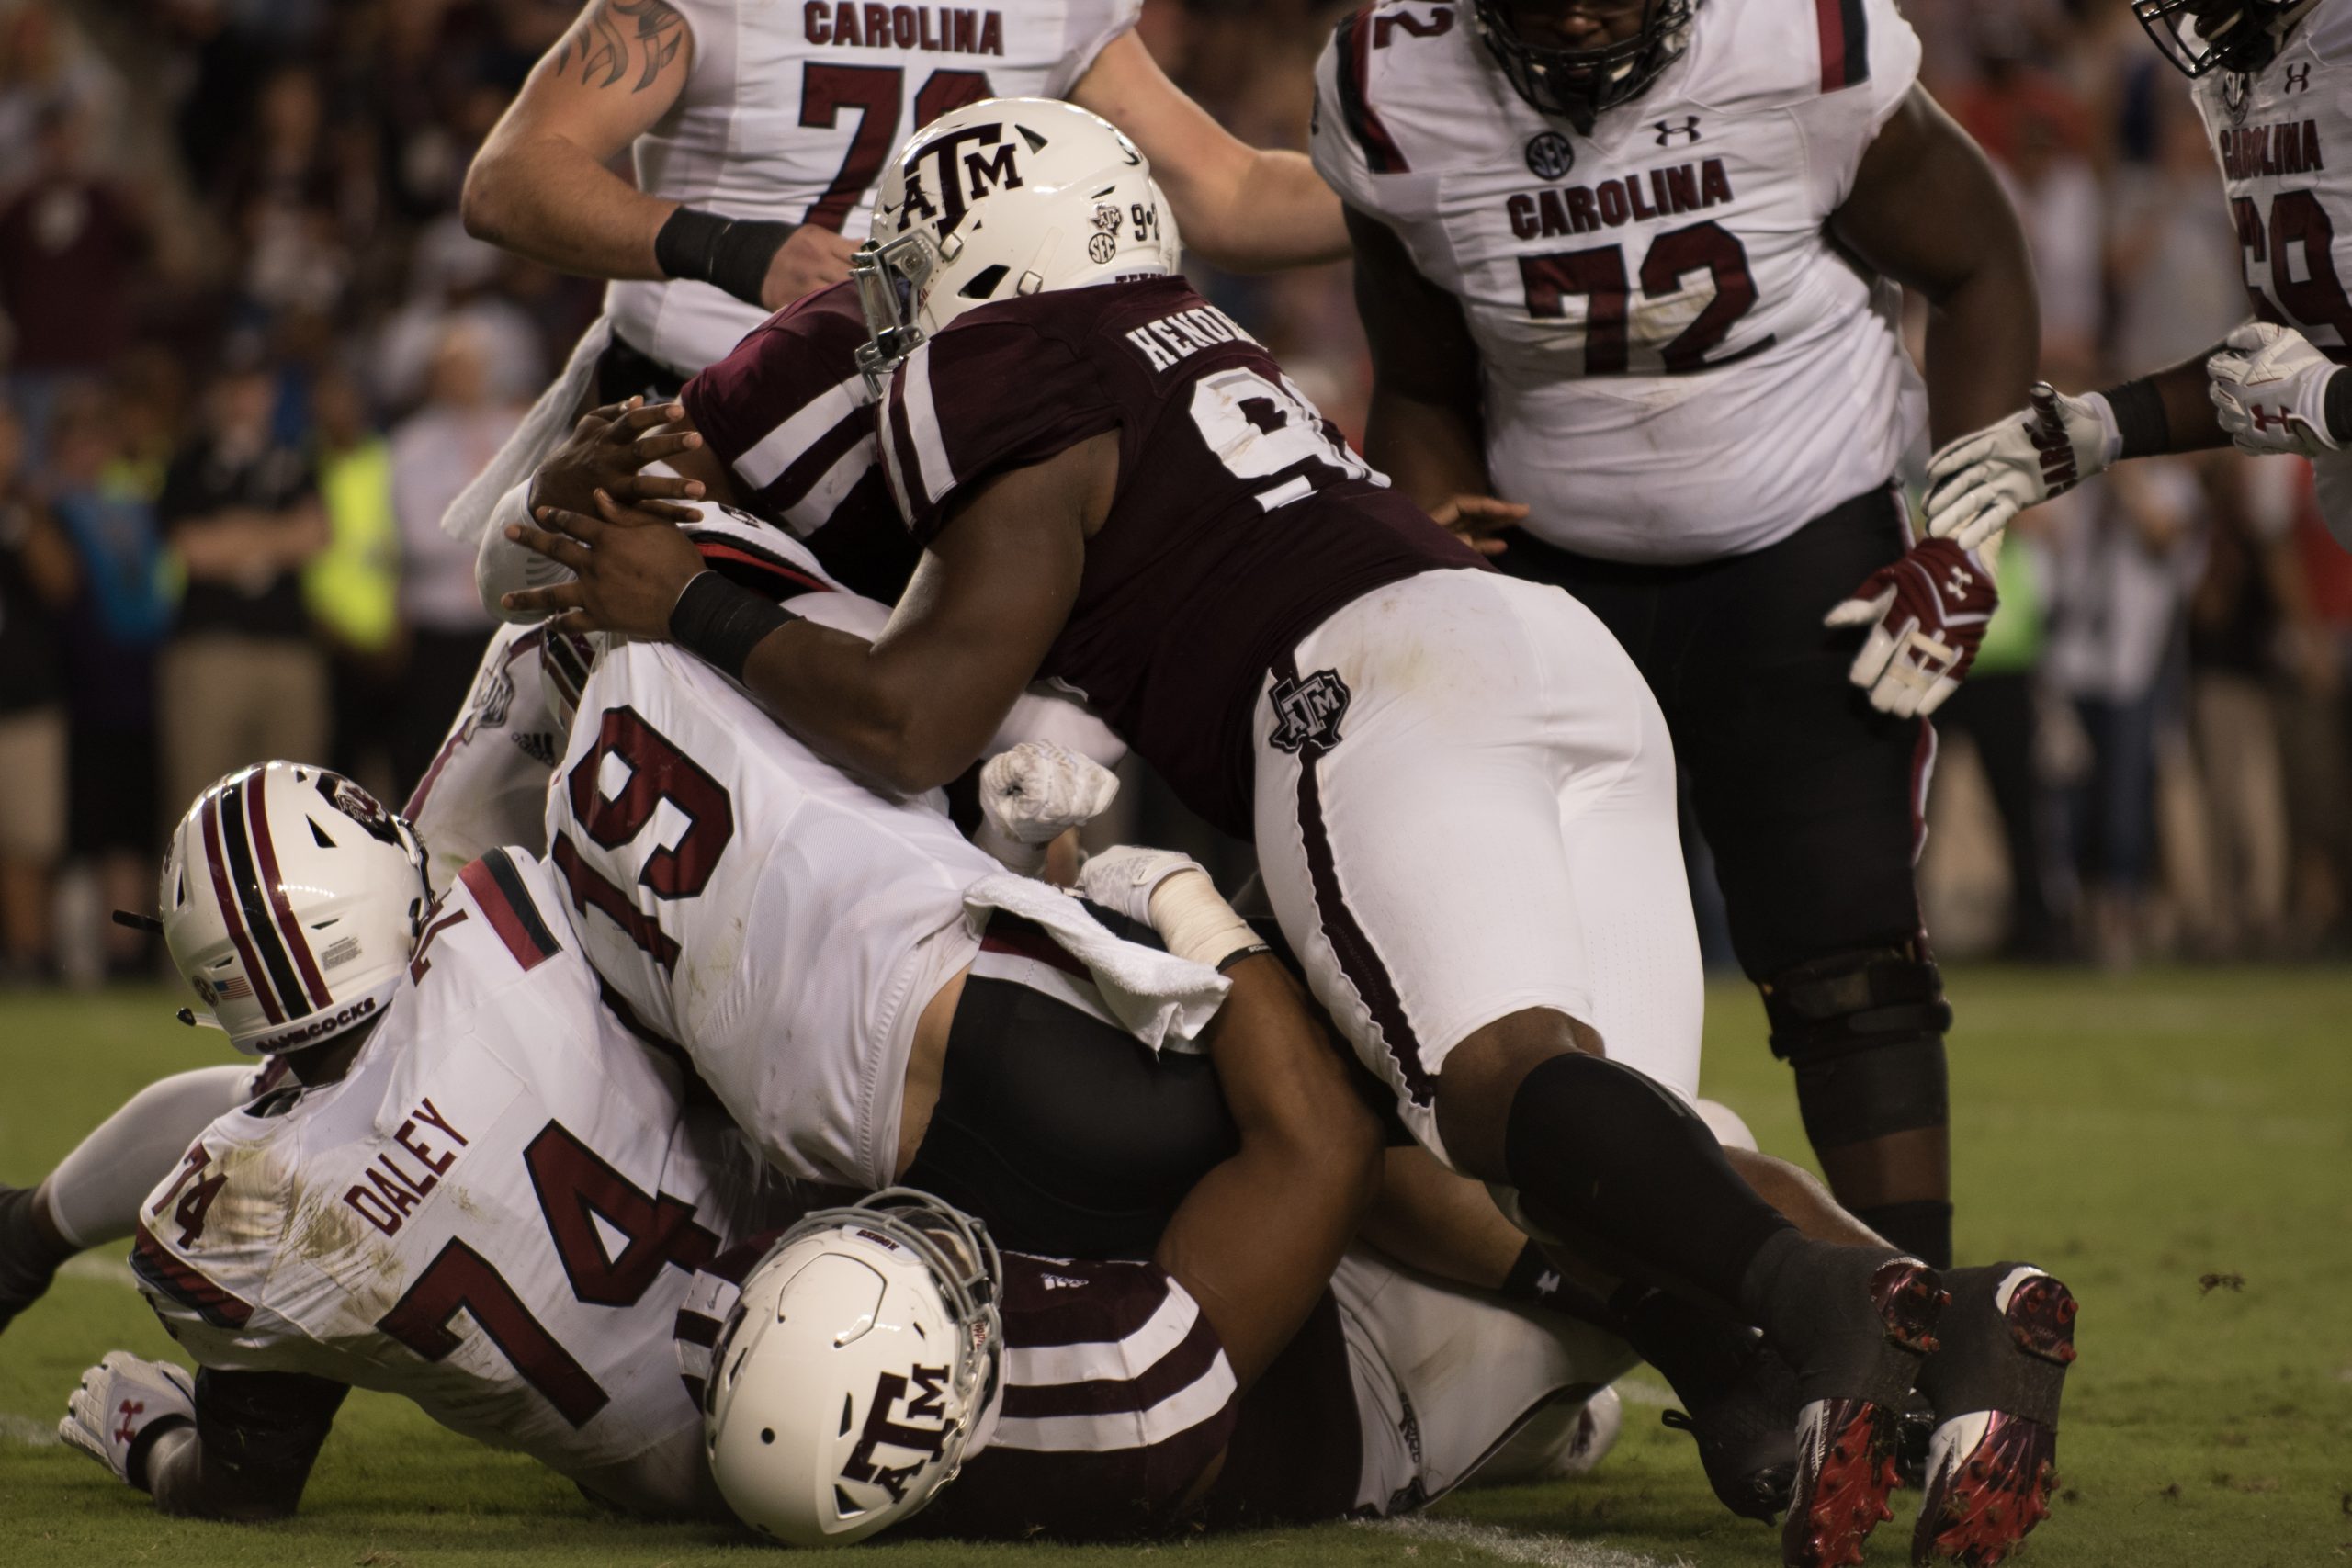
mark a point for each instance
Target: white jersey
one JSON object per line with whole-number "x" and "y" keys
{"x": 1678, "y": 363}
{"x": 490, "y": 778}
{"x": 790, "y": 110}
{"x": 2283, "y": 137}
{"x": 496, "y": 1213}
{"x": 748, "y": 899}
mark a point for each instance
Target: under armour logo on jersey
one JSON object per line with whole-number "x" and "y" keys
{"x": 1550, "y": 156}
{"x": 1061, "y": 1282}
{"x": 2298, "y": 77}
{"x": 1668, "y": 130}
{"x": 1308, "y": 712}
{"x": 131, "y": 1410}
{"x": 1547, "y": 1282}
{"x": 1958, "y": 580}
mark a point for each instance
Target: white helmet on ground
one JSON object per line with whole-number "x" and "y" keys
{"x": 1000, "y": 198}
{"x": 846, "y": 1383}
{"x": 290, "y": 901}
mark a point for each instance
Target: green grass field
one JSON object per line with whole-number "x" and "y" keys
{"x": 2137, "y": 1136}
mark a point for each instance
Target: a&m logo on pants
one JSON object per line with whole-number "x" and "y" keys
{"x": 1307, "y": 710}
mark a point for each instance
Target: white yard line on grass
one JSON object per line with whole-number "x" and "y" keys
{"x": 30, "y": 1431}
{"x": 105, "y": 1268}
{"x": 1536, "y": 1551}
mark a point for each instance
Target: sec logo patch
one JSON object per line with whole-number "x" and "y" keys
{"x": 1549, "y": 155}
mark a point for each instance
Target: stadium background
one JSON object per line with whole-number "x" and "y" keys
{"x": 218, "y": 214}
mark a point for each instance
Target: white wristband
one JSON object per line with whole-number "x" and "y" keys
{"x": 1193, "y": 918}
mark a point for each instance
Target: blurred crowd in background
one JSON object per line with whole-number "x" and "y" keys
{"x": 249, "y": 354}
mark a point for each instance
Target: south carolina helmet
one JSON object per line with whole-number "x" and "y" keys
{"x": 1579, "y": 85}
{"x": 847, "y": 1380}
{"x": 290, "y": 900}
{"x": 2199, "y": 36}
{"x": 1000, "y": 198}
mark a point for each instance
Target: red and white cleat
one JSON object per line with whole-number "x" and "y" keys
{"x": 1995, "y": 1385}
{"x": 1846, "y": 1444}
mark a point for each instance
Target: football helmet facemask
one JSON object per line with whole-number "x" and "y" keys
{"x": 1000, "y": 198}
{"x": 2199, "y": 36}
{"x": 1578, "y": 85}
{"x": 291, "y": 902}
{"x": 854, "y": 1368}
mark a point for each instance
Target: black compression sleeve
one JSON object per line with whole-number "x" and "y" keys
{"x": 262, "y": 1432}
{"x": 2139, "y": 410}
{"x": 2339, "y": 408}
{"x": 721, "y": 622}
{"x": 732, "y": 253}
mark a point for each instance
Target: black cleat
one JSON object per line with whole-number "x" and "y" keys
{"x": 1996, "y": 1385}
{"x": 1856, "y": 1337}
{"x": 1745, "y": 1437}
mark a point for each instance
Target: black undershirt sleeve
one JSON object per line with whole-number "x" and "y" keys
{"x": 261, "y": 1433}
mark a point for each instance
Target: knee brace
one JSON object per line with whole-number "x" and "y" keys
{"x": 1865, "y": 1032}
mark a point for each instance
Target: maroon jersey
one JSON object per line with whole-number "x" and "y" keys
{"x": 1242, "y": 518}
{"x": 788, "y": 413}
{"x": 1116, "y": 1396}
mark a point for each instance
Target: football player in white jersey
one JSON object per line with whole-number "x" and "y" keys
{"x": 1628, "y": 265}
{"x": 1091, "y": 456}
{"x": 2270, "y": 78}
{"x": 476, "y": 1188}
{"x": 758, "y": 132}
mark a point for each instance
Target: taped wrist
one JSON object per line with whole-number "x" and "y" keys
{"x": 2139, "y": 410}
{"x": 1864, "y": 1032}
{"x": 721, "y": 622}
{"x": 731, "y": 253}
{"x": 1193, "y": 918}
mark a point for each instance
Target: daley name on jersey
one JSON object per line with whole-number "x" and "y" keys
{"x": 935, "y": 29}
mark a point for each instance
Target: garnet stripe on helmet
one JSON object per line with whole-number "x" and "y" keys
{"x": 766, "y": 573}
{"x": 1364, "y": 121}
{"x": 253, "y": 904}
{"x": 498, "y": 889}
{"x": 1845, "y": 43}
{"x": 297, "y": 941}
{"x": 216, "y": 865}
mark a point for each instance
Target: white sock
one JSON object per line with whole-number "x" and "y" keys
{"x": 94, "y": 1192}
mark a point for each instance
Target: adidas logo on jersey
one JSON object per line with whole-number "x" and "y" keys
{"x": 1061, "y": 1282}
{"x": 1579, "y": 209}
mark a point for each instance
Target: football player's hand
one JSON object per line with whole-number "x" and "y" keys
{"x": 606, "y": 450}
{"x": 123, "y": 1405}
{"x": 1927, "y": 615}
{"x": 2270, "y": 391}
{"x": 1124, "y": 879}
{"x": 1033, "y": 794}
{"x": 628, "y": 567}
{"x": 1476, "y": 520}
{"x": 1977, "y": 483}
{"x": 810, "y": 258}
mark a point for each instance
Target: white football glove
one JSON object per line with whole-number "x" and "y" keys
{"x": 1977, "y": 483}
{"x": 1033, "y": 793}
{"x": 2270, "y": 391}
{"x": 123, "y": 1399}
{"x": 1174, "y": 894}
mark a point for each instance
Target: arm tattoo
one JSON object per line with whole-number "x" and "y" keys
{"x": 603, "y": 38}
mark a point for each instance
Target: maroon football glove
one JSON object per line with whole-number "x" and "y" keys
{"x": 1927, "y": 615}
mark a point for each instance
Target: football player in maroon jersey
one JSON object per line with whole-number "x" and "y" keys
{"x": 1461, "y": 793}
